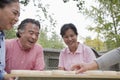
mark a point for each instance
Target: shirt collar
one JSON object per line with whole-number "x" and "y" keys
{"x": 78, "y": 51}
{"x": 18, "y": 41}
{"x": 20, "y": 45}
{"x": 2, "y": 35}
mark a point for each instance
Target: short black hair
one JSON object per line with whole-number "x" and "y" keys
{"x": 65, "y": 27}
{"x": 3, "y": 3}
{"x": 24, "y": 23}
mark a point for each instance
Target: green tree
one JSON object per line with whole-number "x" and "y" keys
{"x": 50, "y": 42}
{"x": 56, "y": 41}
{"x": 42, "y": 9}
{"x": 106, "y": 16}
{"x": 10, "y": 34}
{"x": 43, "y": 38}
{"x": 79, "y": 3}
{"x": 96, "y": 43}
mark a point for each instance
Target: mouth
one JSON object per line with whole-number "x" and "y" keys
{"x": 9, "y": 26}
{"x": 31, "y": 42}
{"x": 70, "y": 43}
{"x": 13, "y": 23}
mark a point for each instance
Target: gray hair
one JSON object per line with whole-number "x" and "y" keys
{"x": 23, "y": 24}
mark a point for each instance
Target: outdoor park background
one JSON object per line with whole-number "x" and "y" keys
{"x": 97, "y": 21}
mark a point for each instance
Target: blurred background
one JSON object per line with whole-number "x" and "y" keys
{"x": 97, "y": 21}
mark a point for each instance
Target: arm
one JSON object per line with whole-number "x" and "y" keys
{"x": 79, "y": 68}
{"x": 2, "y": 57}
{"x": 90, "y": 55}
{"x": 61, "y": 61}
{"x": 39, "y": 62}
{"x": 109, "y": 59}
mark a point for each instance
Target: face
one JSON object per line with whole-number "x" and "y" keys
{"x": 9, "y": 16}
{"x": 29, "y": 36}
{"x": 70, "y": 38}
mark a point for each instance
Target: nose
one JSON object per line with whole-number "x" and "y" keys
{"x": 69, "y": 38}
{"x": 34, "y": 36}
{"x": 16, "y": 18}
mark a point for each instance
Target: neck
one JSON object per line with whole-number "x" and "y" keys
{"x": 22, "y": 46}
{"x": 73, "y": 49}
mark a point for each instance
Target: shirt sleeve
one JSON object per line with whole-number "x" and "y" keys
{"x": 90, "y": 56}
{"x": 2, "y": 74}
{"x": 109, "y": 59}
{"x": 61, "y": 59}
{"x": 39, "y": 63}
{"x": 2, "y": 56}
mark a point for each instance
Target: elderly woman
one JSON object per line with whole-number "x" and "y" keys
{"x": 9, "y": 13}
{"x": 75, "y": 52}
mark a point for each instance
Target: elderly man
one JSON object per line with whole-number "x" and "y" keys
{"x": 23, "y": 53}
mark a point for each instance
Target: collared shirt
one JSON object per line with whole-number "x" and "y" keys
{"x": 2, "y": 52}
{"x": 82, "y": 54}
{"x": 19, "y": 59}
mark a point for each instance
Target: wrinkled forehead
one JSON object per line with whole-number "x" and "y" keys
{"x": 32, "y": 27}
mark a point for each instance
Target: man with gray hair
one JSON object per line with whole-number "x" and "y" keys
{"x": 23, "y": 53}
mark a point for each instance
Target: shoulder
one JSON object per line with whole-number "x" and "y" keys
{"x": 10, "y": 41}
{"x": 64, "y": 51}
{"x": 85, "y": 47}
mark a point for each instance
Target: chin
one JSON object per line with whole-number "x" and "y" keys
{"x": 30, "y": 47}
{"x": 8, "y": 28}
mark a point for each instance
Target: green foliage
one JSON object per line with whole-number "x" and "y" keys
{"x": 96, "y": 43}
{"x": 110, "y": 44}
{"x": 107, "y": 19}
{"x": 41, "y": 9}
{"x": 53, "y": 42}
{"x": 25, "y": 2}
{"x": 56, "y": 42}
{"x": 79, "y": 4}
{"x": 50, "y": 42}
{"x": 45, "y": 40}
{"x": 10, "y": 34}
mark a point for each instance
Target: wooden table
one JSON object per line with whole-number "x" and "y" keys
{"x": 64, "y": 77}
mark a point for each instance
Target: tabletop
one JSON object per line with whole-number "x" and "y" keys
{"x": 64, "y": 77}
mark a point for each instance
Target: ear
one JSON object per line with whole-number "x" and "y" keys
{"x": 20, "y": 32}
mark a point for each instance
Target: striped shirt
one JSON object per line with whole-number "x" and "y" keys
{"x": 2, "y": 53}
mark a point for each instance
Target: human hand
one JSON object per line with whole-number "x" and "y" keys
{"x": 85, "y": 66}
{"x": 80, "y": 68}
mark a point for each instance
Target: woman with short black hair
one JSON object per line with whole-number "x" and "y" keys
{"x": 75, "y": 52}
